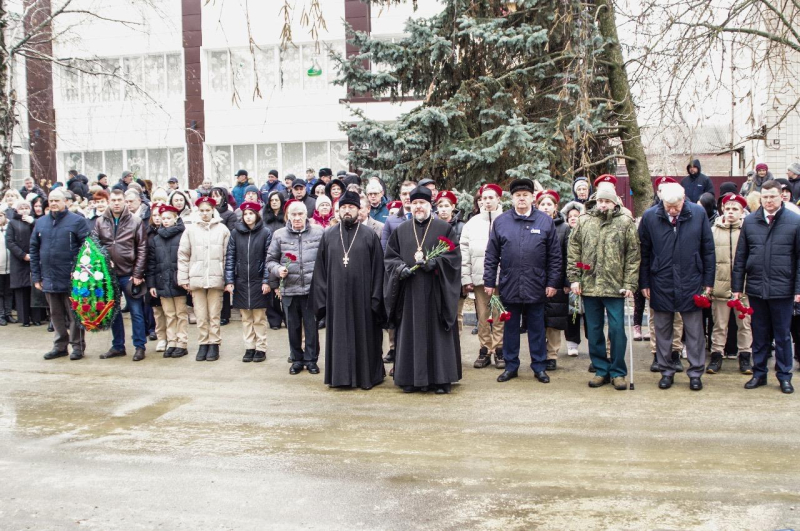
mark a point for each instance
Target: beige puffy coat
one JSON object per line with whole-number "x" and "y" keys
{"x": 474, "y": 239}
{"x": 201, "y": 256}
{"x": 726, "y": 237}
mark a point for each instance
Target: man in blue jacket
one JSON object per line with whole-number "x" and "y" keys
{"x": 678, "y": 262}
{"x": 766, "y": 268}
{"x": 55, "y": 242}
{"x": 273, "y": 184}
{"x": 523, "y": 243}
{"x": 696, "y": 183}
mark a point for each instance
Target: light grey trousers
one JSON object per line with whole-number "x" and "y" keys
{"x": 695, "y": 342}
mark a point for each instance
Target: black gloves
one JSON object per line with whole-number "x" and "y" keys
{"x": 405, "y": 273}
{"x": 429, "y": 266}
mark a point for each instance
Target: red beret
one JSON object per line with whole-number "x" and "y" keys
{"x": 497, "y": 189}
{"x": 548, "y": 193}
{"x": 250, "y": 205}
{"x": 762, "y": 166}
{"x": 734, "y": 197}
{"x": 606, "y": 178}
{"x": 287, "y": 203}
{"x": 205, "y": 199}
{"x": 394, "y": 204}
{"x": 167, "y": 208}
{"x": 447, "y": 194}
{"x": 664, "y": 180}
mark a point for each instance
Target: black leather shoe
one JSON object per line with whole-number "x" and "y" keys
{"x": 213, "y": 353}
{"x": 36, "y": 323}
{"x": 592, "y": 368}
{"x": 289, "y": 359}
{"x": 248, "y": 355}
{"x": 506, "y": 376}
{"x": 223, "y": 322}
{"x": 259, "y": 356}
{"x": 3, "y": 321}
{"x": 786, "y": 387}
{"x": 202, "y": 352}
{"x": 179, "y": 352}
{"x": 551, "y": 365}
{"x": 755, "y": 381}
{"x": 296, "y": 368}
{"x": 695, "y": 384}
{"x": 138, "y": 355}
{"x": 410, "y": 389}
{"x": 113, "y": 354}
{"x": 55, "y": 354}
{"x": 153, "y": 337}
{"x": 50, "y": 327}
{"x": 677, "y": 366}
{"x": 11, "y": 320}
{"x": 26, "y": 325}
{"x": 389, "y": 357}
{"x": 168, "y": 353}
{"x": 665, "y": 382}
{"x": 313, "y": 368}
{"x": 76, "y": 355}
{"x": 542, "y": 377}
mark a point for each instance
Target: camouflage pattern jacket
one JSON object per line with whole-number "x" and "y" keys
{"x": 609, "y": 243}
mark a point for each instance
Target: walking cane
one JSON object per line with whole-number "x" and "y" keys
{"x": 630, "y": 339}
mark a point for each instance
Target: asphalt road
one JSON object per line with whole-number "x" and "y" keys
{"x": 177, "y": 444}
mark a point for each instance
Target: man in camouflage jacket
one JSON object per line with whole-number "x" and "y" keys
{"x": 603, "y": 267}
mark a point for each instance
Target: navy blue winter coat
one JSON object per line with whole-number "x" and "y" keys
{"x": 677, "y": 262}
{"x": 696, "y": 185}
{"x": 528, "y": 252}
{"x": 55, "y": 243}
{"x": 392, "y": 222}
{"x": 768, "y": 255}
{"x": 246, "y": 265}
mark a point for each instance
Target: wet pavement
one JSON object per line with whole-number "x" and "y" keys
{"x": 178, "y": 444}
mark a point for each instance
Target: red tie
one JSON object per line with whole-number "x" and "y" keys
{"x": 769, "y": 219}
{"x": 675, "y": 221}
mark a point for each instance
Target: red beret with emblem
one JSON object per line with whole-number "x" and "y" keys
{"x": 394, "y": 204}
{"x": 734, "y": 197}
{"x": 447, "y": 194}
{"x": 490, "y": 186}
{"x": 606, "y": 178}
{"x": 548, "y": 193}
{"x": 167, "y": 208}
{"x": 205, "y": 199}
{"x": 665, "y": 180}
{"x": 251, "y": 205}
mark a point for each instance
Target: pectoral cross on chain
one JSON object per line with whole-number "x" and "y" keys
{"x": 346, "y": 260}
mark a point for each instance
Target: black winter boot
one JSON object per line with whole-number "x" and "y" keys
{"x": 716, "y": 363}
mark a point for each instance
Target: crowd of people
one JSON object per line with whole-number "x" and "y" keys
{"x": 721, "y": 273}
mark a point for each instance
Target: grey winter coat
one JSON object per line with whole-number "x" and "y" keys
{"x": 303, "y": 244}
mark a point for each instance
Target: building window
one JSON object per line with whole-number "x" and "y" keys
{"x": 292, "y": 157}
{"x": 101, "y": 80}
{"x": 155, "y": 164}
{"x": 297, "y": 68}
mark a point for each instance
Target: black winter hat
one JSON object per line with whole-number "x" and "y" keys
{"x": 350, "y": 198}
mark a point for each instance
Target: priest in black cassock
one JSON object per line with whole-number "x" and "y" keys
{"x": 423, "y": 304}
{"x": 347, "y": 290}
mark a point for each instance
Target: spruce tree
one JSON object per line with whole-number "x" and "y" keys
{"x": 505, "y": 93}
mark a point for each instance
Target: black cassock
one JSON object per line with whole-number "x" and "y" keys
{"x": 351, "y": 297}
{"x": 424, "y": 307}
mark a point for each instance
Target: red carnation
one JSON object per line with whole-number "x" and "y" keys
{"x": 732, "y": 304}
{"x": 505, "y": 316}
{"x": 587, "y": 267}
{"x": 739, "y": 306}
{"x": 86, "y": 308}
{"x": 74, "y": 305}
{"x": 490, "y": 320}
{"x": 291, "y": 257}
{"x": 742, "y": 316}
{"x": 450, "y": 245}
{"x": 580, "y": 265}
{"x": 99, "y": 306}
{"x": 750, "y": 311}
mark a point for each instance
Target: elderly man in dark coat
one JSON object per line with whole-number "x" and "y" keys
{"x": 678, "y": 262}
{"x": 524, "y": 244}
{"x": 55, "y": 242}
{"x": 766, "y": 267}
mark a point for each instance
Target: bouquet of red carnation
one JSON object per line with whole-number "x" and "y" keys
{"x": 739, "y": 306}
{"x": 445, "y": 245}
{"x": 702, "y": 301}
{"x": 496, "y": 307}
{"x": 576, "y": 307}
{"x": 288, "y": 258}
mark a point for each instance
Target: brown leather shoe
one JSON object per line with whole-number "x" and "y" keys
{"x": 483, "y": 360}
{"x": 599, "y": 381}
{"x": 619, "y": 383}
{"x": 138, "y": 355}
{"x": 499, "y": 362}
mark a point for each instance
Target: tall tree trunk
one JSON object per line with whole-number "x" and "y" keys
{"x": 632, "y": 146}
{"x": 7, "y": 119}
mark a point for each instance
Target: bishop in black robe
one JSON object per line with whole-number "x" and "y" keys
{"x": 423, "y": 307}
{"x": 347, "y": 289}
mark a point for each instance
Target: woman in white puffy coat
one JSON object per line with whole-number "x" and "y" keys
{"x": 201, "y": 267}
